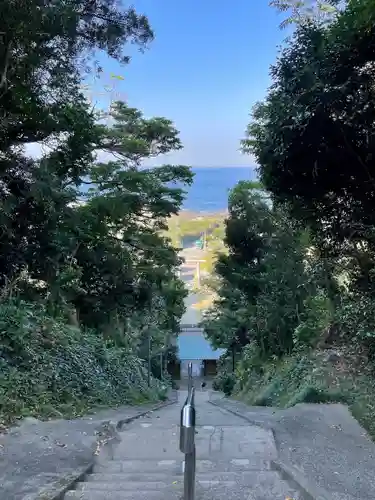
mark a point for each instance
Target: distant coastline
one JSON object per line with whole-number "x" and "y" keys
{"x": 211, "y": 186}
{"x": 250, "y": 167}
{"x": 209, "y": 192}
{"x": 190, "y": 214}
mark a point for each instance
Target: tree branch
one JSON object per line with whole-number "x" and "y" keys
{"x": 3, "y": 79}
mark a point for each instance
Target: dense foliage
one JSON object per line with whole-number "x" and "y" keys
{"x": 263, "y": 281}
{"x": 313, "y": 135}
{"x": 300, "y": 272}
{"x": 81, "y": 238}
{"x": 302, "y": 11}
{"x": 52, "y": 369}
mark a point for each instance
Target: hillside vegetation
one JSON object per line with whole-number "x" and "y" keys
{"x": 196, "y": 225}
{"x": 295, "y": 301}
{"x": 86, "y": 278}
{"x": 185, "y": 229}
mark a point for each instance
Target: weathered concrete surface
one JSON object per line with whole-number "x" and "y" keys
{"x": 322, "y": 446}
{"x": 47, "y": 456}
{"x": 233, "y": 460}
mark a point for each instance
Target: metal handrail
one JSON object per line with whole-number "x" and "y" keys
{"x": 187, "y": 438}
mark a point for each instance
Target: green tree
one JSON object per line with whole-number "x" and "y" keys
{"x": 262, "y": 282}
{"x": 305, "y": 11}
{"x": 98, "y": 260}
{"x": 312, "y": 136}
{"x": 45, "y": 49}
{"x": 95, "y": 259}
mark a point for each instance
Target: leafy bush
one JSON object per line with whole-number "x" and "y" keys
{"x": 48, "y": 368}
{"x": 224, "y": 382}
{"x": 356, "y": 318}
{"x": 278, "y": 380}
{"x": 266, "y": 397}
{"x": 311, "y": 394}
{"x": 317, "y": 317}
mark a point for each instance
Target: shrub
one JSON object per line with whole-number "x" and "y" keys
{"x": 317, "y": 317}
{"x": 216, "y": 384}
{"x": 48, "y": 368}
{"x": 356, "y": 318}
{"x": 311, "y": 394}
{"x": 267, "y": 395}
{"x": 224, "y": 382}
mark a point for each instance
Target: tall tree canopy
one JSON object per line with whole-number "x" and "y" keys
{"x": 302, "y": 11}
{"x": 263, "y": 281}
{"x": 86, "y": 277}
{"x": 83, "y": 235}
{"x": 313, "y": 136}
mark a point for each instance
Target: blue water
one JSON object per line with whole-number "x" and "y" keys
{"x": 209, "y": 191}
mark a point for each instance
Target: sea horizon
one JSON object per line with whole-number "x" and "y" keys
{"x": 251, "y": 167}
{"x": 211, "y": 186}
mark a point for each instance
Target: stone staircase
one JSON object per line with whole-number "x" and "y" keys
{"x": 234, "y": 461}
{"x": 240, "y": 479}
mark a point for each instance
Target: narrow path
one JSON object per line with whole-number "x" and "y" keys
{"x": 233, "y": 460}
{"x": 191, "y": 315}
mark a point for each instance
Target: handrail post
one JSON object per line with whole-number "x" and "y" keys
{"x": 187, "y": 438}
{"x": 190, "y": 377}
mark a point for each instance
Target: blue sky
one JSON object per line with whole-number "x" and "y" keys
{"x": 208, "y": 65}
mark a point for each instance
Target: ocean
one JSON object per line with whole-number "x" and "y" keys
{"x": 209, "y": 192}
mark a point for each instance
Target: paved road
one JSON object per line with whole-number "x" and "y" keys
{"x": 233, "y": 460}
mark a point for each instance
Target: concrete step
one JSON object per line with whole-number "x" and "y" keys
{"x": 121, "y": 495}
{"x": 109, "y": 477}
{"x": 176, "y": 466}
{"x": 115, "y": 466}
{"x": 116, "y": 480}
{"x": 215, "y": 492}
{"x": 171, "y": 484}
{"x": 258, "y": 483}
{"x": 131, "y": 485}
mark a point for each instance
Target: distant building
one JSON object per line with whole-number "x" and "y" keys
{"x": 194, "y": 348}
